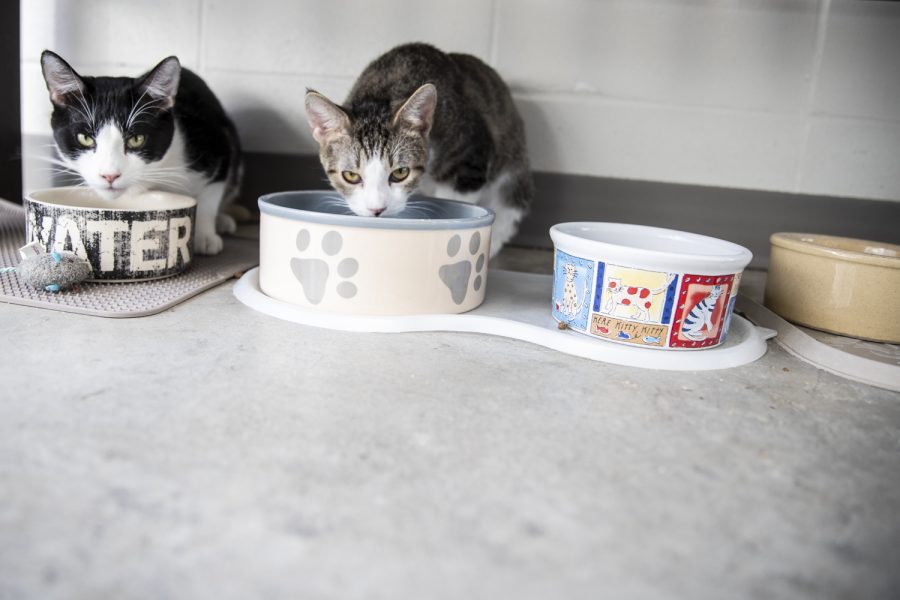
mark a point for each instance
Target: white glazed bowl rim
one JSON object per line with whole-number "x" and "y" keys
{"x": 653, "y": 248}
{"x": 79, "y": 198}
{"x": 308, "y": 206}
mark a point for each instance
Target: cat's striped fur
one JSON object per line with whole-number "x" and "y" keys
{"x": 418, "y": 118}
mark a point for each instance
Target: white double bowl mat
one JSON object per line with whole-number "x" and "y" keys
{"x": 517, "y": 306}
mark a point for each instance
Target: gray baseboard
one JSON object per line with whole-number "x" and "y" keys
{"x": 746, "y": 217}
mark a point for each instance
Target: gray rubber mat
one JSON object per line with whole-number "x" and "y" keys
{"x": 132, "y": 299}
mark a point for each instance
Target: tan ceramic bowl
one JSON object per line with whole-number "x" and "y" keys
{"x": 840, "y": 285}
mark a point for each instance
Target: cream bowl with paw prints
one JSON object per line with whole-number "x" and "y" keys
{"x": 431, "y": 258}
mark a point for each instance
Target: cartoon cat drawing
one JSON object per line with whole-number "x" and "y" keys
{"x": 571, "y": 305}
{"x": 640, "y": 298}
{"x": 701, "y": 316}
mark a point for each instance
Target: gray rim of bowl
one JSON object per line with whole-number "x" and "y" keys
{"x": 485, "y": 219}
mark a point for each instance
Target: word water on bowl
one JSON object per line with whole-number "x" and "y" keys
{"x": 645, "y": 296}
{"x": 121, "y": 244}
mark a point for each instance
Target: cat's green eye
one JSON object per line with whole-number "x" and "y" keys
{"x": 398, "y": 175}
{"x": 135, "y": 141}
{"x": 351, "y": 177}
{"x": 85, "y": 140}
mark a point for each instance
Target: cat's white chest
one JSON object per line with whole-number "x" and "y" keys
{"x": 429, "y": 187}
{"x": 490, "y": 196}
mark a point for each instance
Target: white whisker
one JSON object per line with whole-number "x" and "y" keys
{"x": 88, "y": 112}
{"x": 50, "y": 159}
{"x": 165, "y": 176}
{"x": 131, "y": 112}
{"x": 141, "y": 109}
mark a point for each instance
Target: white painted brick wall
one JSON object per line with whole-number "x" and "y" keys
{"x": 794, "y": 95}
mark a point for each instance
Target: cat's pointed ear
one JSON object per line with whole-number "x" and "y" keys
{"x": 417, "y": 112}
{"x": 60, "y": 77}
{"x": 325, "y": 117}
{"x": 161, "y": 83}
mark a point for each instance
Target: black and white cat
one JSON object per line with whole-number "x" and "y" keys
{"x": 164, "y": 130}
{"x": 418, "y": 118}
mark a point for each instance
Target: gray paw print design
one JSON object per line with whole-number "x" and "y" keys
{"x": 456, "y": 276}
{"x": 315, "y": 273}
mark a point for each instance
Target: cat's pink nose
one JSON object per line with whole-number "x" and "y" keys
{"x": 376, "y": 212}
{"x": 110, "y": 177}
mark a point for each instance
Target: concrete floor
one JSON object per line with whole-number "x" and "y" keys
{"x": 213, "y": 452}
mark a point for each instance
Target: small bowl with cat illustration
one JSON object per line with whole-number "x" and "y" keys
{"x": 430, "y": 258}
{"x": 836, "y": 284}
{"x": 139, "y": 236}
{"x": 645, "y": 286}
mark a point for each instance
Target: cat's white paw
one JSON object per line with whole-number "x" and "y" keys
{"x": 225, "y": 223}
{"x": 207, "y": 242}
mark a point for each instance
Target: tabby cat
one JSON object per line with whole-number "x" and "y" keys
{"x": 421, "y": 119}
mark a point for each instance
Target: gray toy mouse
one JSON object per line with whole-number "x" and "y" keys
{"x": 52, "y": 272}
